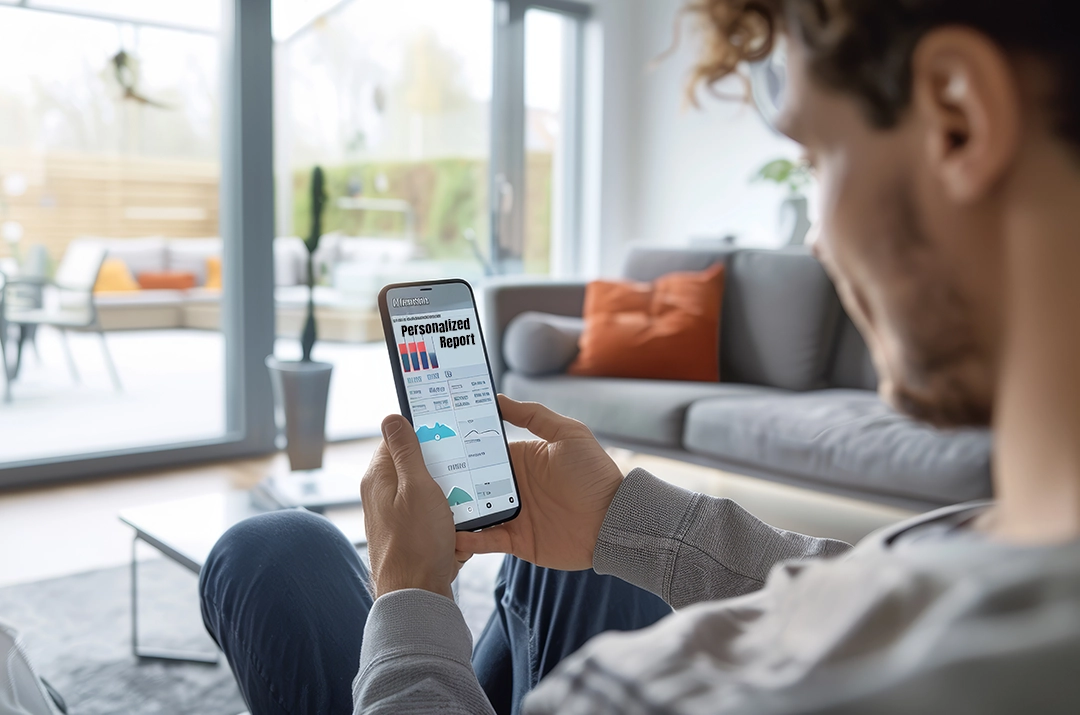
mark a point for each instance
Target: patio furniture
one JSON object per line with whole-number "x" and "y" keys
{"x": 33, "y": 272}
{"x": 72, "y": 307}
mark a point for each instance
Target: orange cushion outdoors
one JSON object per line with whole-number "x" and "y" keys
{"x": 114, "y": 276}
{"x": 166, "y": 280}
{"x": 213, "y": 273}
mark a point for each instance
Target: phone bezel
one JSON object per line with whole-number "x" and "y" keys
{"x": 403, "y": 398}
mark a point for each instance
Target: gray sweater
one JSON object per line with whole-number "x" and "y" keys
{"x": 920, "y": 617}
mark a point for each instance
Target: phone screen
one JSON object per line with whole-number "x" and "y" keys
{"x": 445, "y": 389}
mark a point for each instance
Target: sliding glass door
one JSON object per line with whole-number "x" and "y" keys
{"x": 136, "y": 218}
{"x": 155, "y": 185}
{"x": 110, "y": 141}
{"x": 393, "y": 102}
{"x": 446, "y": 150}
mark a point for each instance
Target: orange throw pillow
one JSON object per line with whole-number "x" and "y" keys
{"x": 166, "y": 280}
{"x": 114, "y": 276}
{"x": 213, "y": 273}
{"x": 665, "y": 330}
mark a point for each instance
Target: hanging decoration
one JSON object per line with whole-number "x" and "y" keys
{"x": 126, "y": 70}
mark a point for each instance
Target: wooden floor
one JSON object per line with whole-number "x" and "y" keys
{"x": 72, "y": 528}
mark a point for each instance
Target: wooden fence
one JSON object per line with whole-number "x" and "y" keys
{"x": 74, "y": 194}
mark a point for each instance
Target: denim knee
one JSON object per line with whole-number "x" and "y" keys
{"x": 282, "y": 540}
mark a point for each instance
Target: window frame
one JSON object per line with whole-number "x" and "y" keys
{"x": 508, "y": 128}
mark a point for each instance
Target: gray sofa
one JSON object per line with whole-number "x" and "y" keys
{"x": 797, "y": 402}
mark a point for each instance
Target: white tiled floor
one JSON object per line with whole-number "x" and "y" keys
{"x": 173, "y": 391}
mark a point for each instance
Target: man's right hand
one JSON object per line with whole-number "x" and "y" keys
{"x": 566, "y": 482}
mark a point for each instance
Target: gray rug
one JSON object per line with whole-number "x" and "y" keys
{"x": 77, "y": 630}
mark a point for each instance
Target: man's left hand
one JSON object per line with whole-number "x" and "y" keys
{"x": 410, "y": 527}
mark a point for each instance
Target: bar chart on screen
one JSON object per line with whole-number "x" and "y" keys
{"x": 417, "y": 355}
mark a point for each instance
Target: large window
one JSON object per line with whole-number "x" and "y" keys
{"x": 110, "y": 136}
{"x": 439, "y": 161}
{"x": 152, "y": 250}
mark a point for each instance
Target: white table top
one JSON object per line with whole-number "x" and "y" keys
{"x": 186, "y": 530}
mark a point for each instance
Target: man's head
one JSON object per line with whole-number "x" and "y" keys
{"x": 923, "y": 119}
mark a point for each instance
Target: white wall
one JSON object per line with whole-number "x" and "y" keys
{"x": 667, "y": 172}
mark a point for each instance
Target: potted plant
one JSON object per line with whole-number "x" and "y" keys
{"x": 794, "y": 216}
{"x": 301, "y": 387}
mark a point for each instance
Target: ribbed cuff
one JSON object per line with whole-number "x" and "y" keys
{"x": 642, "y": 532}
{"x": 413, "y": 621}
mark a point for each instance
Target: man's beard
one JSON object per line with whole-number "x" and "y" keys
{"x": 946, "y": 401}
{"x": 941, "y": 377}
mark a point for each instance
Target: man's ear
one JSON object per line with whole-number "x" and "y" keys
{"x": 964, "y": 94}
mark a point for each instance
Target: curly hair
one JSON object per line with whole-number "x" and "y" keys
{"x": 864, "y": 47}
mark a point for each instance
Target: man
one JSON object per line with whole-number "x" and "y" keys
{"x": 946, "y": 138}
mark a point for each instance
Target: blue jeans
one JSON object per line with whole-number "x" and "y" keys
{"x": 285, "y": 597}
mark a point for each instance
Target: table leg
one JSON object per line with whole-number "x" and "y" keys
{"x": 144, "y": 653}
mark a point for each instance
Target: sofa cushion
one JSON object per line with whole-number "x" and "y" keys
{"x": 189, "y": 255}
{"x": 326, "y": 256}
{"x": 541, "y": 343}
{"x": 779, "y": 320}
{"x": 668, "y": 329}
{"x": 851, "y": 363}
{"x": 202, "y": 296}
{"x": 140, "y": 254}
{"x": 290, "y": 261}
{"x": 114, "y": 276}
{"x": 647, "y": 263}
{"x": 648, "y": 411}
{"x": 848, "y": 438}
{"x": 140, "y": 298}
{"x": 167, "y": 280}
{"x": 213, "y": 273}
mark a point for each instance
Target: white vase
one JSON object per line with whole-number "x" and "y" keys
{"x": 794, "y": 220}
{"x": 300, "y": 393}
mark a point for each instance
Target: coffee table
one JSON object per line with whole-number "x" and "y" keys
{"x": 185, "y": 531}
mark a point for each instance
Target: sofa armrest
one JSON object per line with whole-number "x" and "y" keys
{"x": 502, "y": 302}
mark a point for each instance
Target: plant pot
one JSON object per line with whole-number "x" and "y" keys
{"x": 300, "y": 393}
{"x": 794, "y": 220}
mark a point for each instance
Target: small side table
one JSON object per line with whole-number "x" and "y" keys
{"x": 185, "y": 531}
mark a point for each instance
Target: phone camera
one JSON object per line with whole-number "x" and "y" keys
{"x": 511, "y": 500}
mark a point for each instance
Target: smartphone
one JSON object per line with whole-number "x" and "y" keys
{"x": 447, "y": 393}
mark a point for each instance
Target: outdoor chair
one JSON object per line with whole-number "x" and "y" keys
{"x": 33, "y": 275}
{"x": 71, "y": 306}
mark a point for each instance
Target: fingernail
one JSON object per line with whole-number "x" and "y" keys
{"x": 390, "y": 426}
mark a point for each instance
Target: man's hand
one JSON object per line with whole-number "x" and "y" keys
{"x": 409, "y": 525}
{"x": 566, "y": 482}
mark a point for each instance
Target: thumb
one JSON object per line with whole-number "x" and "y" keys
{"x": 495, "y": 540}
{"x": 404, "y": 448}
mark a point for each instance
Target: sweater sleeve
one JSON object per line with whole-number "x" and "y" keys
{"x": 687, "y": 547}
{"x": 416, "y": 658}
